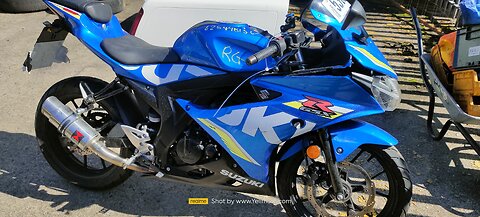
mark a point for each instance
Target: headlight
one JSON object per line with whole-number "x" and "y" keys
{"x": 385, "y": 89}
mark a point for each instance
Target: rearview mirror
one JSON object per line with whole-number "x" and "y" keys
{"x": 356, "y": 16}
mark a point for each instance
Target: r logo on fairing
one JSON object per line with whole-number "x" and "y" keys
{"x": 319, "y": 107}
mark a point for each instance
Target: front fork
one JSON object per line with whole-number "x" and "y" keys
{"x": 327, "y": 147}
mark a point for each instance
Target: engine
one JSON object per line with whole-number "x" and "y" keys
{"x": 194, "y": 146}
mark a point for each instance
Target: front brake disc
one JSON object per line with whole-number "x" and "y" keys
{"x": 321, "y": 208}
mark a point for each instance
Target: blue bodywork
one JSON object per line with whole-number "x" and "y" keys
{"x": 342, "y": 135}
{"x": 363, "y": 133}
{"x": 251, "y": 132}
{"x": 367, "y": 54}
{"x": 224, "y": 46}
{"x": 258, "y": 128}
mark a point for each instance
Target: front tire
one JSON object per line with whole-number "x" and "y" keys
{"x": 98, "y": 175}
{"x": 396, "y": 174}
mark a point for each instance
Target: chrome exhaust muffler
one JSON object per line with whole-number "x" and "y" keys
{"x": 74, "y": 127}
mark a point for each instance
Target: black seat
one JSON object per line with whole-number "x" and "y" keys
{"x": 97, "y": 10}
{"x": 131, "y": 50}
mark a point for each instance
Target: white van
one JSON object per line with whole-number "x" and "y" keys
{"x": 161, "y": 22}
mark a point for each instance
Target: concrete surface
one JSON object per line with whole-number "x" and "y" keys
{"x": 445, "y": 174}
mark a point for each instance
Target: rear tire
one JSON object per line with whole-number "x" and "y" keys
{"x": 59, "y": 157}
{"x": 19, "y": 6}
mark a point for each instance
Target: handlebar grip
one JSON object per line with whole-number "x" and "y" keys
{"x": 260, "y": 55}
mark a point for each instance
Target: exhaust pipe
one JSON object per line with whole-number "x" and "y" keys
{"x": 81, "y": 133}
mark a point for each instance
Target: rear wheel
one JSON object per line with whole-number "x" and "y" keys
{"x": 377, "y": 177}
{"x": 84, "y": 169}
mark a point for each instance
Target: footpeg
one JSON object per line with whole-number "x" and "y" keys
{"x": 131, "y": 160}
{"x": 139, "y": 139}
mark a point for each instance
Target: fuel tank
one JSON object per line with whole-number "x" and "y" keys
{"x": 224, "y": 46}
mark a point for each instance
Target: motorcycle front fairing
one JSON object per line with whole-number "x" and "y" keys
{"x": 250, "y": 132}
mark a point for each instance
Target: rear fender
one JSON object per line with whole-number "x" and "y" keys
{"x": 346, "y": 138}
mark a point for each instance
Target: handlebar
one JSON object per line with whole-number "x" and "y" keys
{"x": 275, "y": 48}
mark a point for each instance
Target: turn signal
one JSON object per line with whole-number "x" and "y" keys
{"x": 313, "y": 152}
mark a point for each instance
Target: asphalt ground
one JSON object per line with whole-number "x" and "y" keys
{"x": 446, "y": 174}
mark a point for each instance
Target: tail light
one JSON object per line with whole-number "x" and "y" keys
{"x": 134, "y": 27}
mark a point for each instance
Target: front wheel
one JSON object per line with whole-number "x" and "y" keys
{"x": 377, "y": 178}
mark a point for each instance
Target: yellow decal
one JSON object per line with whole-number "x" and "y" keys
{"x": 294, "y": 104}
{"x": 198, "y": 201}
{"x": 228, "y": 139}
{"x": 373, "y": 58}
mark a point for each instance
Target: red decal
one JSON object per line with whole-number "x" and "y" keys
{"x": 77, "y": 136}
{"x": 318, "y": 104}
{"x": 70, "y": 11}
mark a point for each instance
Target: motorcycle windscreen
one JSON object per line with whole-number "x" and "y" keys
{"x": 48, "y": 49}
{"x": 331, "y": 12}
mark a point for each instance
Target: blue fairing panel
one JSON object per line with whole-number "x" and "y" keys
{"x": 370, "y": 57}
{"x": 368, "y": 54}
{"x": 250, "y": 132}
{"x": 300, "y": 145}
{"x": 349, "y": 135}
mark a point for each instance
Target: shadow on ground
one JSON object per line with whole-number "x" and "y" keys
{"x": 437, "y": 171}
{"x": 137, "y": 196}
{"x": 451, "y": 187}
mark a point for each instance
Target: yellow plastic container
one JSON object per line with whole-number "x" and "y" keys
{"x": 442, "y": 59}
{"x": 466, "y": 89}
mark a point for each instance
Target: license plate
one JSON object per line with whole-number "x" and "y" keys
{"x": 338, "y": 8}
{"x": 48, "y": 49}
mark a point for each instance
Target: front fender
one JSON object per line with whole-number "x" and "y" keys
{"x": 349, "y": 135}
{"x": 346, "y": 137}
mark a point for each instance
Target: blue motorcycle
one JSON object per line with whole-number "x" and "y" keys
{"x": 230, "y": 106}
